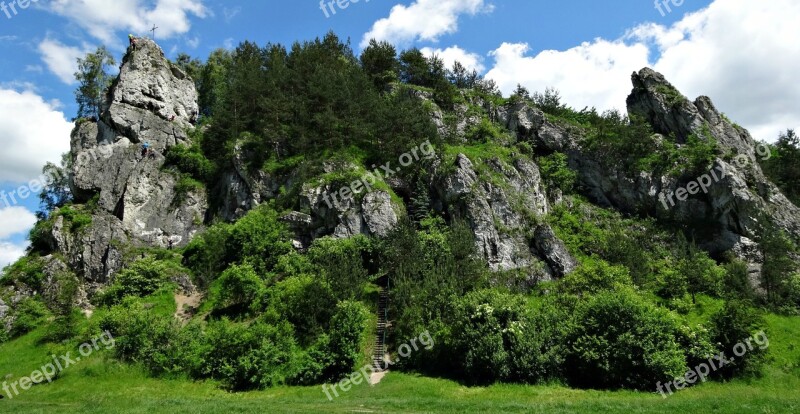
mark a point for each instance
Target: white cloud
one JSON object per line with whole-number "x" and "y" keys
{"x": 62, "y": 60}
{"x": 15, "y": 220}
{"x": 592, "y": 74}
{"x": 737, "y": 52}
{"x": 229, "y": 14}
{"x": 103, "y": 18}
{"x": 423, "y": 20}
{"x": 34, "y": 68}
{"x": 9, "y": 253}
{"x": 741, "y": 54}
{"x": 472, "y": 61}
{"x": 32, "y": 132}
{"x": 193, "y": 42}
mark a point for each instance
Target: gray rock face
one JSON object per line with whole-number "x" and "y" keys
{"x": 152, "y": 100}
{"x": 93, "y": 253}
{"x": 553, "y": 250}
{"x": 655, "y": 99}
{"x": 138, "y": 201}
{"x": 373, "y": 213}
{"x": 498, "y": 214}
{"x": 733, "y": 202}
{"x": 3, "y": 310}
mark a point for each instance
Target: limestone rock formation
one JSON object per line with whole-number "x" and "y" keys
{"x": 499, "y": 214}
{"x": 137, "y": 200}
{"x": 733, "y": 203}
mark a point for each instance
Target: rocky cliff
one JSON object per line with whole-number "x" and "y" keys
{"x": 136, "y": 201}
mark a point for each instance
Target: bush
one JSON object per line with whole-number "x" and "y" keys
{"x": 239, "y": 285}
{"x": 29, "y": 315}
{"x": 28, "y": 270}
{"x": 341, "y": 263}
{"x": 346, "y": 334}
{"x": 594, "y": 276}
{"x": 75, "y": 218}
{"x": 249, "y": 357}
{"x": 142, "y": 278}
{"x": 736, "y": 282}
{"x": 483, "y": 131}
{"x": 207, "y": 255}
{"x": 306, "y": 302}
{"x": 143, "y": 336}
{"x": 537, "y": 350}
{"x": 259, "y": 239}
{"x": 621, "y": 341}
{"x": 736, "y": 322}
{"x": 191, "y": 161}
{"x": 484, "y": 322}
{"x": 556, "y": 172}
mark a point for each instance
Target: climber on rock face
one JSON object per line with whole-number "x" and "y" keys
{"x": 145, "y": 149}
{"x": 132, "y": 40}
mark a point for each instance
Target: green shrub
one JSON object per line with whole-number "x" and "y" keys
{"x": 29, "y": 315}
{"x": 735, "y": 323}
{"x": 239, "y": 285}
{"x": 207, "y": 255}
{"x": 671, "y": 283}
{"x": 341, "y": 262}
{"x": 556, "y": 172}
{"x": 306, "y": 302}
{"x": 483, "y": 131}
{"x": 191, "y": 161}
{"x": 346, "y": 334}
{"x": 259, "y": 239}
{"x": 736, "y": 283}
{"x": 484, "y": 322}
{"x": 246, "y": 357}
{"x": 621, "y": 341}
{"x": 185, "y": 186}
{"x": 537, "y": 348}
{"x": 28, "y": 270}
{"x": 75, "y": 218}
{"x": 595, "y": 275}
{"x": 140, "y": 279}
{"x": 142, "y": 335}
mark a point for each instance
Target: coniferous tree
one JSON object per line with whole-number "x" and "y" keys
{"x": 379, "y": 61}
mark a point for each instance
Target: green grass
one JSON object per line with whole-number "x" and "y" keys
{"x": 100, "y": 385}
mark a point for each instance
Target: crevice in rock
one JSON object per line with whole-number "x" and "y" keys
{"x": 119, "y": 210}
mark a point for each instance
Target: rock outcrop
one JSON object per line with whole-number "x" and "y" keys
{"x": 500, "y": 211}
{"x": 733, "y": 203}
{"x": 137, "y": 200}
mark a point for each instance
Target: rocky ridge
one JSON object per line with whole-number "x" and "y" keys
{"x": 138, "y": 202}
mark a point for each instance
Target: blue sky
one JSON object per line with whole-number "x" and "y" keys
{"x": 738, "y": 52}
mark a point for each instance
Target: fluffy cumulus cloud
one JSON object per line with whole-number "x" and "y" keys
{"x": 741, "y": 54}
{"x": 9, "y": 253}
{"x": 424, "y": 20}
{"x": 33, "y": 132}
{"x": 61, "y": 59}
{"x": 103, "y": 18}
{"x": 735, "y": 51}
{"x": 15, "y": 220}
{"x": 472, "y": 61}
{"x": 592, "y": 74}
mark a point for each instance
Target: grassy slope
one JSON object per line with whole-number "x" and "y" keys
{"x": 99, "y": 385}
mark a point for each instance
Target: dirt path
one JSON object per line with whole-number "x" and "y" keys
{"x": 187, "y": 305}
{"x": 376, "y": 377}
